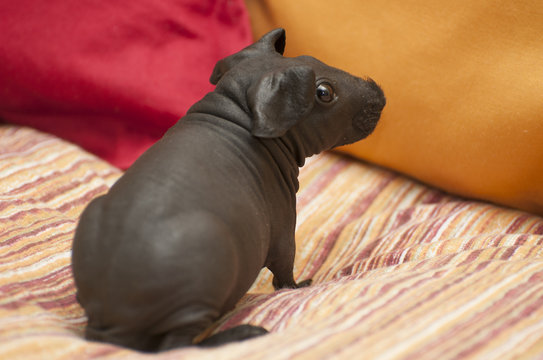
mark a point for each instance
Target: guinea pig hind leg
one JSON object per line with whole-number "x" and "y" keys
{"x": 237, "y": 333}
{"x": 181, "y": 338}
{"x": 181, "y": 328}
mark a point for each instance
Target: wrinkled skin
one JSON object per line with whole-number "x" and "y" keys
{"x": 183, "y": 234}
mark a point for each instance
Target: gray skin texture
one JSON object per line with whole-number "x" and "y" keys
{"x": 183, "y": 234}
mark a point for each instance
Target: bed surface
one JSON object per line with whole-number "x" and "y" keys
{"x": 400, "y": 270}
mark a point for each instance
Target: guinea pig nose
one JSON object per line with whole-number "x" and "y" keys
{"x": 375, "y": 99}
{"x": 372, "y": 104}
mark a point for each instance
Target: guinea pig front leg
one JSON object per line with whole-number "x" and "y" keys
{"x": 282, "y": 267}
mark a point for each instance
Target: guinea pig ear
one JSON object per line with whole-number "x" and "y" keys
{"x": 272, "y": 42}
{"x": 220, "y": 68}
{"x": 280, "y": 99}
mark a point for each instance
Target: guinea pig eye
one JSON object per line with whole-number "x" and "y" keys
{"x": 325, "y": 92}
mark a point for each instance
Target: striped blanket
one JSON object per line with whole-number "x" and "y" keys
{"x": 400, "y": 270}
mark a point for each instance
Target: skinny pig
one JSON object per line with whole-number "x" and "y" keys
{"x": 183, "y": 234}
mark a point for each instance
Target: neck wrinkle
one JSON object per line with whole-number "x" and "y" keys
{"x": 286, "y": 151}
{"x": 295, "y": 147}
{"x": 223, "y": 106}
{"x": 288, "y": 160}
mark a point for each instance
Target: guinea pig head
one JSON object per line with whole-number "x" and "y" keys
{"x": 301, "y": 97}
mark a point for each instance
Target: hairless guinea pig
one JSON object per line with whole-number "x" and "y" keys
{"x": 183, "y": 234}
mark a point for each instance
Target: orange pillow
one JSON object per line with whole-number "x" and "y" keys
{"x": 464, "y": 85}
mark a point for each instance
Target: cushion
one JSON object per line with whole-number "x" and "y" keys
{"x": 111, "y": 76}
{"x": 463, "y": 83}
{"x": 400, "y": 270}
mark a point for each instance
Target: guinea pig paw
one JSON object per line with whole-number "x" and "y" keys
{"x": 304, "y": 283}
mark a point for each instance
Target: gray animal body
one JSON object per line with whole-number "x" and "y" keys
{"x": 183, "y": 234}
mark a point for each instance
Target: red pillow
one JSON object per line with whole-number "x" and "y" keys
{"x": 112, "y": 76}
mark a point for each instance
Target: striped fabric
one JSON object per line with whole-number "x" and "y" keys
{"x": 400, "y": 270}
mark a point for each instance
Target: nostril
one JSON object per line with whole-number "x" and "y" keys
{"x": 373, "y": 105}
{"x": 376, "y": 104}
{"x": 367, "y": 118}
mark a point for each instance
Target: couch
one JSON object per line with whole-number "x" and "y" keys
{"x": 401, "y": 269}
